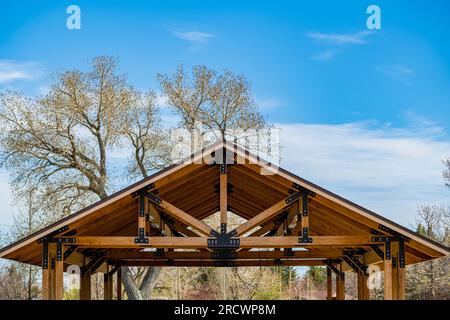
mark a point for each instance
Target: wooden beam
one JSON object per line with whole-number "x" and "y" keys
{"x": 387, "y": 273}
{"x": 85, "y": 286}
{"x": 45, "y": 292}
{"x": 212, "y": 263}
{"x": 401, "y": 286}
{"x": 184, "y": 217}
{"x": 119, "y": 284}
{"x": 107, "y": 285}
{"x": 394, "y": 250}
{"x": 59, "y": 273}
{"x": 329, "y": 285}
{"x": 189, "y": 255}
{"x": 340, "y": 285}
{"x": 201, "y": 242}
{"x": 223, "y": 195}
{"x": 143, "y": 210}
{"x": 266, "y": 214}
{"x": 52, "y": 266}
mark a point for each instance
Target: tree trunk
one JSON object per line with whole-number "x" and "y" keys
{"x": 144, "y": 292}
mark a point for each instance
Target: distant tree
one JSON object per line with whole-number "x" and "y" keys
{"x": 446, "y": 172}
{"x": 429, "y": 280}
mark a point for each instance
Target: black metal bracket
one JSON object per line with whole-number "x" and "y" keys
{"x": 223, "y": 168}
{"x": 153, "y": 198}
{"x": 223, "y": 240}
{"x": 387, "y": 245}
{"x": 377, "y": 250}
{"x": 299, "y": 187}
{"x": 93, "y": 265}
{"x": 141, "y": 240}
{"x": 330, "y": 265}
{"x": 289, "y": 200}
{"x": 144, "y": 189}
{"x": 288, "y": 252}
{"x": 69, "y": 251}
{"x": 45, "y": 255}
{"x": 224, "y": 255}
{"x": 401, "y": 254}
{"x": 355, "y": 264}
{"x": 394, "y": 233}
{"x": 305, "y": 238}
{"x": 59, "y": 251}
{"x": 52, "y": 234}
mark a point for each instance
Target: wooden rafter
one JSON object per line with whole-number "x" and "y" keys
{"x": 266, "y": 214}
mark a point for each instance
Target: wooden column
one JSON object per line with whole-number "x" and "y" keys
{"x": 142, "y": 212}
{"x": 363, "y": 289}
{"x": 107, "y": 285}
{"x": 85, "y": 286}
{"x": 223, "y": 197}
{"x": 59, "y": 273}
{"x": 329, "y": 285}
{"x": 387, "y": 271}
{"x": 340, "y": 285}
{"x": 119, "y": 284}
{"x": 394, "y": 258}
{"x": 52, "y": 261}
{"x": 45, "y": 272}
{"x": 401, "y": 272}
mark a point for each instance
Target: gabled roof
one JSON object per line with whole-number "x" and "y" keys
{"x": 191, "y": 186}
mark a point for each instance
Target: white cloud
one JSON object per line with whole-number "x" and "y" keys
{"x": 388, "y": 170}
{"x": 271, "y": 103}
{"x": 325, "y": 55}
{"x": 340, "y": 38}
{"x": 194, "y": 36}
{"x": 11, "y": 71}
{"x": 395, "y": 71}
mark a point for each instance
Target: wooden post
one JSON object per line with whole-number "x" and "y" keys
{"x": 223, "y": 196}
{"x": 142, "y": 222}
{"x": 59, "y": 273}
{"x": 119, "y": 284}
{"x": 401, "y": 272}
{"x": 394, "y": 258}
{"x": 329, "y": 285}
{"x": 107, "y": 285}
{"x": 340, "y": 285}
{"x": 363, "y": 289}
{"x": 85, "y": 286}
{"x": 45, "y": 272}
{"x": 387, "y": 271}
{"x": 52, "y": 261}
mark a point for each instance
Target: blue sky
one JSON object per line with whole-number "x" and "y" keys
{"x": 364, "y": 113}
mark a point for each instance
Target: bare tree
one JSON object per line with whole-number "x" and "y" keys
{"x": 429, "y": 280}
{"x": 208, "y": 101}
{"x": 446, "y": 172}
{"x": 59, "y": 144}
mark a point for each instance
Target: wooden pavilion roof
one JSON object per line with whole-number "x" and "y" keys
{"x": 192, "y": 190}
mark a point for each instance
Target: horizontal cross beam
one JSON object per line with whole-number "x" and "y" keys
{"x": 212, "y": 263}
{"x": 202, "y": 242}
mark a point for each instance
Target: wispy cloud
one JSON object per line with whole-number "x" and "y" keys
{"x": 340, "y": 38}
{"x": 395, "y": 71}
{"x": 389, "y": 170}
{"x": 326, "y": 55}
{"x": 194, "y": 36}
{"x": 11, "y": 71}
{"x": 271, "y": 103}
